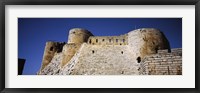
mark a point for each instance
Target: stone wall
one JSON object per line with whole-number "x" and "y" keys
{"x": 54, "y": 66}
{"x": 66, "y": 70}
{"x": 163, "y": 63}
{"x": 102, "y": 60}
{"x": 68, "y": 52}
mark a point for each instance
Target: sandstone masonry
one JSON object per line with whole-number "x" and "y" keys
{"x": 144, "y": 51}
{"x": 163, "y": 63}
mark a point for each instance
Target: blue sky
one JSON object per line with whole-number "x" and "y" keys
{"x": 33, "y": 33}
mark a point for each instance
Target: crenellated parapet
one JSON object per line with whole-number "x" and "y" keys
{"x": 108, "y": 40}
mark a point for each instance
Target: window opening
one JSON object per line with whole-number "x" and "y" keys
{"x": 93, "y": 51}
{"x": 97, "y": 40}
{"x": 109, "y": 40}
{"x": 138, "y": 59}
{"x": 51, "y": 49}
{"x": 123, "y": 40}
{"x": 90, "y": 41}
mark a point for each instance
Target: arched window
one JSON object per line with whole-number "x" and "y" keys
{"x": 116, "y": 40}
{"x": 102, "y": 39}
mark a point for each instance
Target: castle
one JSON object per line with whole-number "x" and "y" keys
{"x": 144, "y": 51}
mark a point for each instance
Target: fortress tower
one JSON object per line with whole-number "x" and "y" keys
{"x": 147, "y": 41}
{"x": 76, "y": 37}
{"x": 50, "y": 49}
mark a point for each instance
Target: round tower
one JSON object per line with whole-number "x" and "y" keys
{"x": 50, "y": 49}
{"x": 78, "y": 35}
{"x": 147, "y": 41}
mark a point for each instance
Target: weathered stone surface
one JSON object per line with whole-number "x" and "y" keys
{"x": 105, "y": 60}
{"x": 68, "y": 52}
{"x": 143, "y": 51}
{"x": 54, "y": 66}
{"x": 168, "y": 65}
{"x": 50, "y": 49}
{"x": 147, "y": 41}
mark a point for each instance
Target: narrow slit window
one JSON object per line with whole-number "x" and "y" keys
{"x": 156, "y": 49}
{"x": 116, "y": 40}
{"x": 97, "y": 40}
{"x": 139, "y": 59}
{"x": 123, "y": 40}
{"x": 90, "y": 41}
{"x": 109, "y": 40}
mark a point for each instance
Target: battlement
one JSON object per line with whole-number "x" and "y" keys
{"x": 108, "y": 40}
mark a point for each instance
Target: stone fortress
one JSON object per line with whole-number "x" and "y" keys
{"x": 144, "y": 51}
